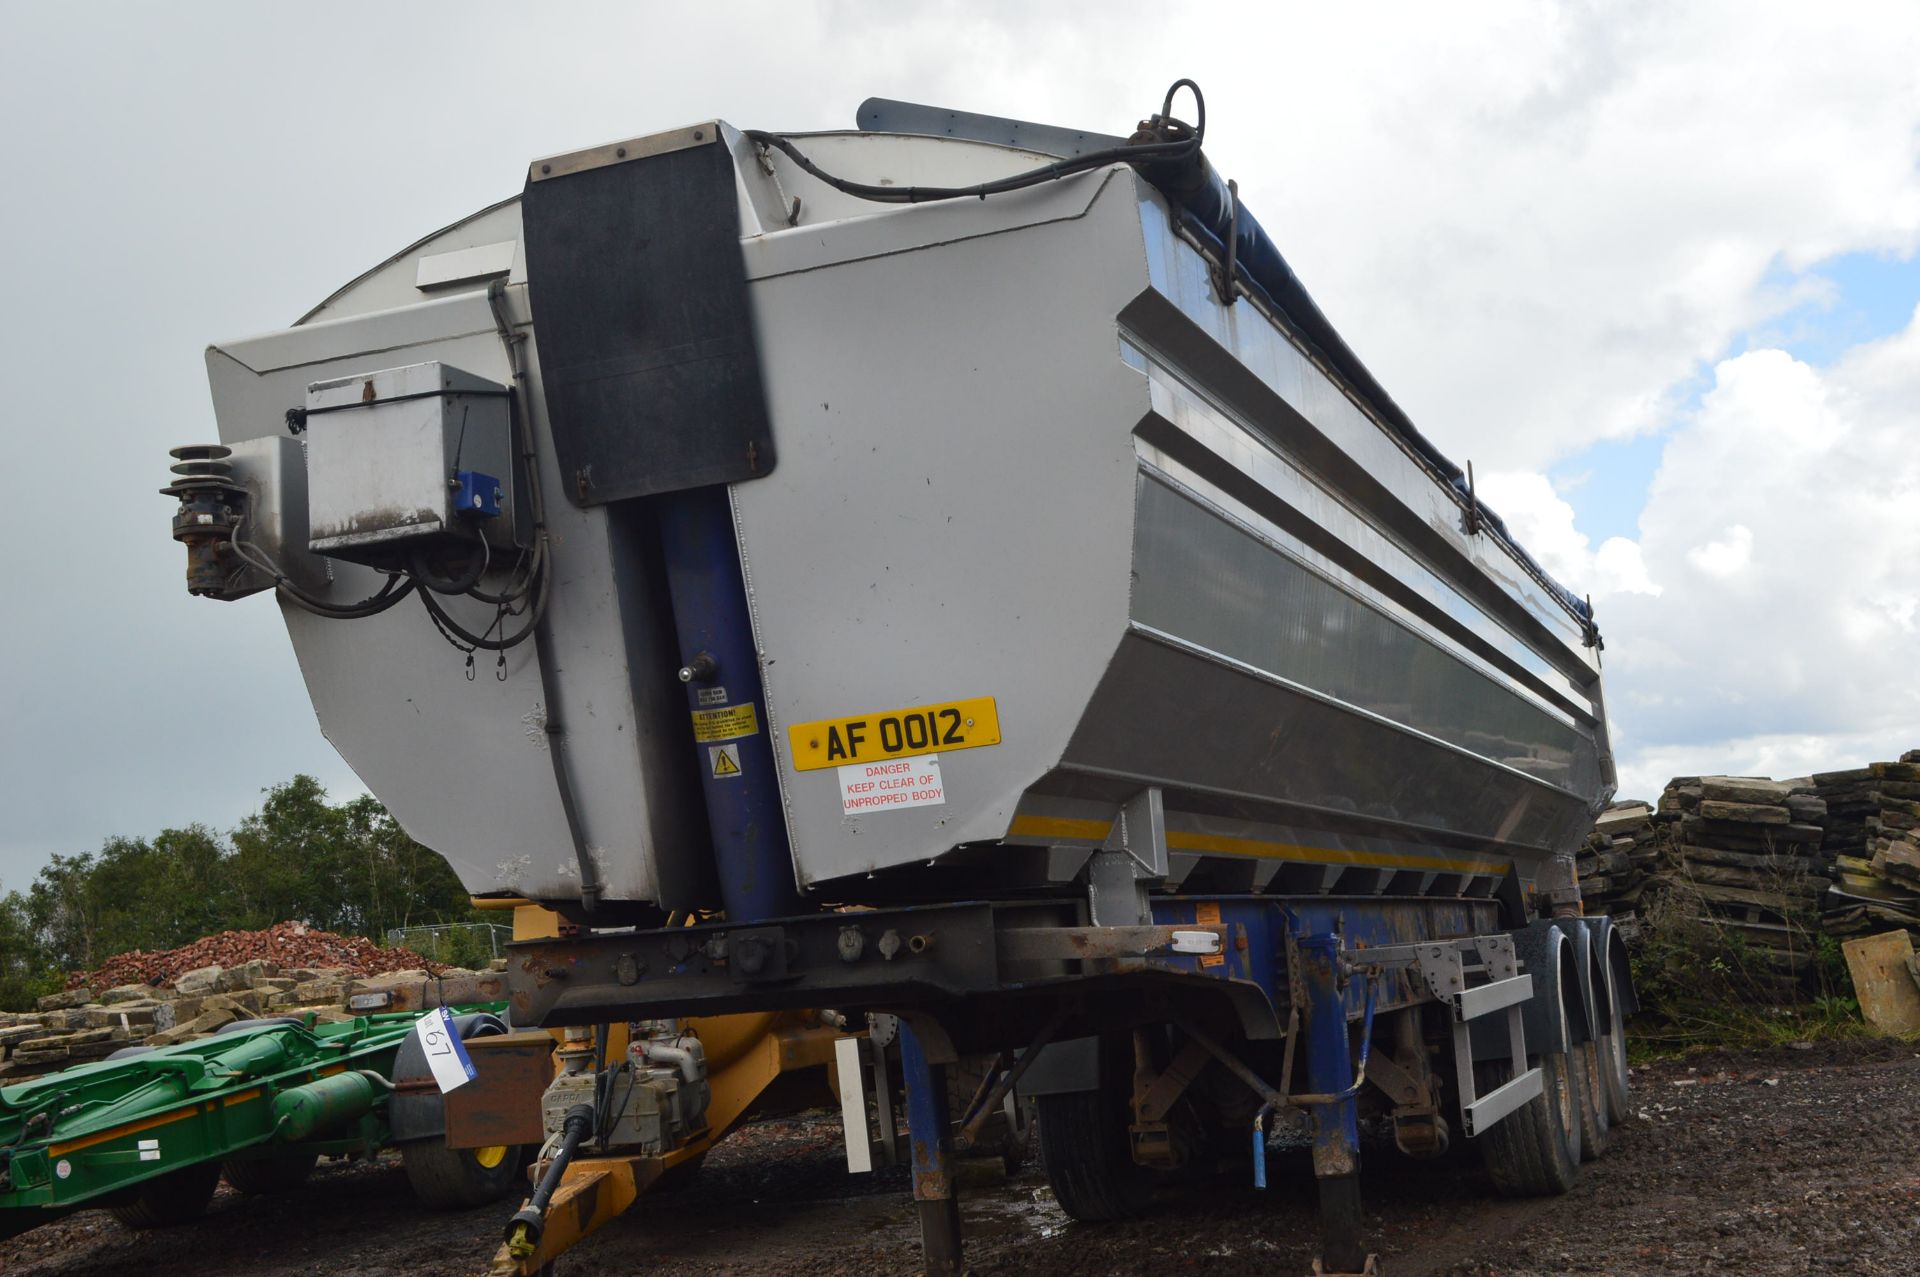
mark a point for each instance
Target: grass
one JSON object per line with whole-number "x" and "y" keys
{"x": 1681, "y": 1029}
{"x": 1706, "y": 982}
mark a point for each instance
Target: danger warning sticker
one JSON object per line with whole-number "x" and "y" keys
{"x": 724, "y": 724}
{"x": 890, "y": 784}
{"x": 725, "y": 761}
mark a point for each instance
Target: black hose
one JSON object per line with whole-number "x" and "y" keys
{"x": 602, "y": 1084}
{"x": 379, "y": 601}
{"x": 482, "y": 641}
{"x": 470, "y": 577}
{"x": 373, "y": 605}
{"x": 513, "y": 597}
{"x": 574, "y": 1129}
{"x": 1131, "y": 153}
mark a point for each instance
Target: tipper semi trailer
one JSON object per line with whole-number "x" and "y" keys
{"x": 948, "y": 569}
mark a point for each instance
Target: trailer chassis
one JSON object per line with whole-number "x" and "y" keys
{"x": 1019, "y": 977}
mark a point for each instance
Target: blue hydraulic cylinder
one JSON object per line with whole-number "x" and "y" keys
{"x": 721, "y": 668}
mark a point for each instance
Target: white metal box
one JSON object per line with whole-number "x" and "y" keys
{"x": 399, "y": 458}
{"x": 273, "y": 471}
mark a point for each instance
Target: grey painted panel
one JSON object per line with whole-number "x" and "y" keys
{"x": 1251, "y": 474}
{"x": 1400, "y": 490}
{"x": 1202, "y": 724}
{"x": 952, "y": 514}
{"x": 462, "y": 763}
{"x": 1207, "y": 581}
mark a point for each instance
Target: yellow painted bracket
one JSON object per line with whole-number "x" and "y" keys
{"x": 746, "y": 1054}
{"x": 592, "y": 1194}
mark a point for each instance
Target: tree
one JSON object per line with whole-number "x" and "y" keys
{"x": 25, "y": 973}
{"x": 63, "y": 912}
{"x": 394, "y": 881}
{"x": 348, "y": 868}
{"x": 289, "y": 859}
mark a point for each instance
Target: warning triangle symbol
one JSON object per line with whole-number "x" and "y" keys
{"x": 724, "y": 763}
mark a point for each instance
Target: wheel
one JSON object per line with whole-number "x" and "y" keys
{"x": 1084, "y": 1144}
{"x": 1613, "y": 1063}
{"x": 1595, "y": 1127}
{"x": 173, "y": 1198}
{"x": 1535, "y": 1150}
{"x": 257, "y": 1176}
{"x": 459, "y": 1178}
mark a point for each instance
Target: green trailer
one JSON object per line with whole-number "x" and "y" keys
{"x": 149, "y": 1134}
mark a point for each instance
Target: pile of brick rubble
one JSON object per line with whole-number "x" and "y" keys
{"x": 160, "y": 1000}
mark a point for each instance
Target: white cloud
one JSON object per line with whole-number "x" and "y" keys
{"x": 1785, "y": 519}
{"x": 1576, "y": 207}
{"x": 1535, "y": 223}
{"x": 1783, "y": 756}
{"x": 1544, "y": 522}
{"x": 1727, "y": 556}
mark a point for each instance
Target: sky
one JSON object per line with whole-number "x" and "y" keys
{"x": 1651, "y": 267}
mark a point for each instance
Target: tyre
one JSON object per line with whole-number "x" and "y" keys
{"x": 1613, "y": 1062}
{"x": 173, "y": 1198}
{"x": 258, "y": 1176}
{"x": 1535, "y": 1151}
{"x": 1083, "y": 1140}
{"x": 1531, "y": 1153}
{"x": 1589, "y": 1082}
{"x": 1084, "y": 1143}
{"x": 459, "y": 1178}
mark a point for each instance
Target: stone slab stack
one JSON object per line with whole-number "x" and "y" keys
{"x": 1747, "y": 858}
{"x": 1873, "y": 836}
{"x": 1618, "y": 861}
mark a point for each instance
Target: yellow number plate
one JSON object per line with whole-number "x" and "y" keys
{"x": 899, "y": 733}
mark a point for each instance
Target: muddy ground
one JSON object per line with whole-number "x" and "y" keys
{"x": 1782, "y": 1162}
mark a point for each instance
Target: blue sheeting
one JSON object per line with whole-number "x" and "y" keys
{"x": 1206, "y": 207}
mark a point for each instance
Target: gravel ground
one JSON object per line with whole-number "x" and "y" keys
{"x": 1761, "y": 1164}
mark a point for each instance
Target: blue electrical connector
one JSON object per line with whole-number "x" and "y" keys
{"x": 476, "y": 495}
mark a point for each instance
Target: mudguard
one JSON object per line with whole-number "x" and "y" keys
{"x": 416, "y": 1113}
{"x": 1547, "y": 954}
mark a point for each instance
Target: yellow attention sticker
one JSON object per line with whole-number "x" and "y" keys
{"x": 899, "y": 733}
{"x": 725, "y": 724}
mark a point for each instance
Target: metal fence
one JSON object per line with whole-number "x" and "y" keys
{"x": 459, "y": 944}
